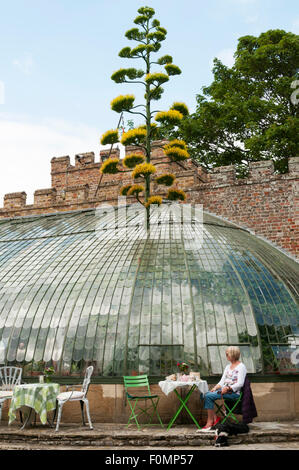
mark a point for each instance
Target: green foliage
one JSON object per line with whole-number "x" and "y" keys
{"x": 172, "y": 69}
{"x": 154, "y": 93}
{"x": 135, "y": 190}
{"x": 121, "y": 75}
{"x": 110, "y": 137}
{"x": 133, "y": 159}
{"x": 166, "y": 179}
{"x": 181, "y": 107}
{"x": 171, "y": 117}
{"x": 125, "y": 52}
{"x": 176, "y": 195}
{"x": 110, "y": 166}
{"x": 246, "y": 114}
{"x": 166, "y": 59}
{"x": 122, "y": 103}
{"x": 124, "y": 190}
{"x": 134, "y": 137}
{"x": 176, "y": 154}
{"x": 156, "y": 78}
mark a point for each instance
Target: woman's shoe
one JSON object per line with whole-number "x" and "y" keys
{"x": 216, "y": 421}
{"x": 205, "y": 429}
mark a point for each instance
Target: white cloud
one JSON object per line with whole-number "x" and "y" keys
{"x": 226, "y": 56}
{"x": 26, "y": 149}
{"x": 24, "y": 64}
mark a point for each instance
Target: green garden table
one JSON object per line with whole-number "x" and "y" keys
{"x": 38, "y": 397}
{"x": 168, "y": 386}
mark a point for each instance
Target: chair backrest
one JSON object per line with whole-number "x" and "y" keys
{"x": 86, "y": 380}
{"x": 136, "y": 381}
{"x": 9, "y": 377}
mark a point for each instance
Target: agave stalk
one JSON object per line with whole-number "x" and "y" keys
{"x": 149, "y": 36}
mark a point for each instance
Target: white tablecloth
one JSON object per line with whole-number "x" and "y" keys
{"x": 168, "y": 386}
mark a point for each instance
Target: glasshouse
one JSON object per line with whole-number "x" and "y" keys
{"x": 87, "y": 288}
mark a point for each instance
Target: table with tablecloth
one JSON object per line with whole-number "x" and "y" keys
{"x": 40, "y": 397}
{"x": 168, "y": 386}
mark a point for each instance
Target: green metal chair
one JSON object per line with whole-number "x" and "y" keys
{"x": 231, "y": 406}
{"x": 141, "y": 381}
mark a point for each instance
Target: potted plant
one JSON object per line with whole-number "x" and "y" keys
{"x": 48, "y": 372}
{"x": 183, "y": 367}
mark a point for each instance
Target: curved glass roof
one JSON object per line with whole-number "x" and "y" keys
{"x": 86, "y": 287}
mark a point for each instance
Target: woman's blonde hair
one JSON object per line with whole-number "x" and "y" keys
{"x": 233, "y": 352}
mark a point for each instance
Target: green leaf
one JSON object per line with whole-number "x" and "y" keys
{"x": 122, "y": 103}
{"x": 141, "y": 19}
{"x": 166, "y": 59}
{"x": 135, "y": 35}
{"x": 125, "y": 52}
{"x": 138, "y": 50}
{"x": 156, "y": 93}
{"x": 156, "y": 78}
{"x": 146, "y": 11}
{"x": 122, "y": 75}
{"x": 172, "y": 69}
{"x": 156, "y": 36}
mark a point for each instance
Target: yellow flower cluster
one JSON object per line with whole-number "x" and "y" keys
{"x": 122, "y": 103}
{"x": 133, "y": 159}
{"x": 135, "y": 189}
{"x": 110, "y": 166}
{"x": 154, "y": 200}
{"x": 176, "y": 154}
{"x": 124, "y": 190}
{"x": 176, "y": 143}
{"x": 110, "y": 137}
{"x": 134, "y": 136}
{"x": 144, "y": 169}
{"x": 160, "y": 78}
{"x": 181, "y": 107}
{"x": 167, "y": 179}
{"x": 172, "y": 117}
{"x": 176, "y": 194}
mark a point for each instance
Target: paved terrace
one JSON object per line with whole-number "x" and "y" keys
{"x": 108, "y": 435}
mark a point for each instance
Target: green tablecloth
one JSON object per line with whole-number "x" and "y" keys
{"x": 40, "y": 397}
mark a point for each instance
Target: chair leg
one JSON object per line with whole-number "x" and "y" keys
{"x": 133, "y": 414}
{"x": 0, "y": 411}
{"x": 54, "y": 413}
{"x": 82, "y": 411}
{"x": 155, "y": 405}
{"x": 60, "y": 405}
{"x": 88, "y": 414}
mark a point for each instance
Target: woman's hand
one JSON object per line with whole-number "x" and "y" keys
{"x": 214, "y": 389}
{"x": 225, "y": 390}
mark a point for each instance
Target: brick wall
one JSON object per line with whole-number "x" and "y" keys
{"x": 265, "y": 202}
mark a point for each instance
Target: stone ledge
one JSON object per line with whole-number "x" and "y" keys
{"x": 117, "y": 435}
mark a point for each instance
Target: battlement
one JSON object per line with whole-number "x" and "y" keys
{"x": 259, "y": 172}
{"x": 265, "y": 201}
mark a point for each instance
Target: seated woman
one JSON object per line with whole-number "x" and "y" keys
{"x": 229, "y": 386}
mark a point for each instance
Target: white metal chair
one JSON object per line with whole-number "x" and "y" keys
{"x": 9, "y": 377}
{"x": 74, "y": 395}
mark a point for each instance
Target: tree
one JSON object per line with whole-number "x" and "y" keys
{"x": 247, "y": 114}
{"x": 148, "y": 35}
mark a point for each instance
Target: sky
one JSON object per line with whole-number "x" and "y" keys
{"x": 57, "y": 57}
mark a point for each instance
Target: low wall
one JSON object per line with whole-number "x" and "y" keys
{"x": 274, "y": 401}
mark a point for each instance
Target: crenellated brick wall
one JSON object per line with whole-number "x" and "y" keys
{"x": 265, "y": 202}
